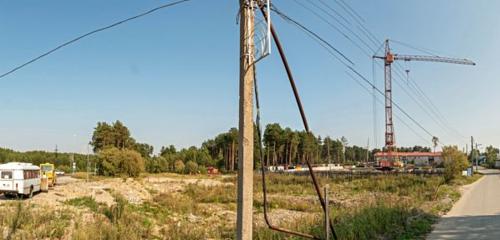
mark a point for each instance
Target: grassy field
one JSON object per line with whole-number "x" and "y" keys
{"x": 201, "y": 207}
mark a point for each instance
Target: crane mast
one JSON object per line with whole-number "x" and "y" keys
{"x": 389, "y": 125}
{"x": 389, "y": 58}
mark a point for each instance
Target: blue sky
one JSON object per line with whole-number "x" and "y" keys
{"x": 172, "y": 77}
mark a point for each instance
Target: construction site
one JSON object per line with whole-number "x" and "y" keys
{"x": 336, "y": 130}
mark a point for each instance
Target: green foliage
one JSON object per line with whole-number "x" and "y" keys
{"x": 211, "y": 194}
{"x": 202, "y": 170}
{"x": 119, "y": 221}
{"x": 115, "y": 212}
{"x": 175, "y": 202}
{"x": 117, "y": 135}
{"x": 144, "y": 149}
{"x": 191, "y": 167}
{"x": 179, "y": 166}
{"x": 382, "y": 221}
{"x": 113, "y": 161}
{"x": 491, "y": 156}
{"x": 414, "y": 149}
{"x": 62, "y": 161}
{"x": 223, "y": 150}
{"x": 454, "y": 162}
{"x": 86, "y": 201}
{"x": 158, "y": 164}
{"x": 381, "y": 207}
{"x": 22, "y": 221}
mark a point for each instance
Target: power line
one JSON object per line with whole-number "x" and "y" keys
{"x": 335, "y": 11}
{"x": 420, "y": 103}
{"x": 327, "y": 22}
{"x": 342, "y": 24}
{"x": 88, "y": 34}
{"x": 395, "y": 104}
{"x": 434, "y": 114}
{"x": 357, "y": 18}
{"x": 351, "y": 68}
{"x": 380, "y": 102}
{"x": 313, "y": 34}
{"x": 420, "y": 94}
{"x": 417, "y": 99}
{"x": 349, "y": 10}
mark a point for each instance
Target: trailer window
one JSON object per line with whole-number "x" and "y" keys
{"x": 6, "y": 175}
{"x": 29, "y": 174}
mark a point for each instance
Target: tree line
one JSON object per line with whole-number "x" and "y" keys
{"x": 117, "y": 152}
{"x": 63, "y": 161}
{"x": 281, "y": 146}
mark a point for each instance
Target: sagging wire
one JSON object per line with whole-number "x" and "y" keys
{"x": 306, "y": 126}
{"x": 263, "y": 169}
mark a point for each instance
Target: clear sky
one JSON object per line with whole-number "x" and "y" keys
{"x": 172, "y": 77}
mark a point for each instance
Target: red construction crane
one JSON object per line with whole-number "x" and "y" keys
{"x": 389, "y": 58}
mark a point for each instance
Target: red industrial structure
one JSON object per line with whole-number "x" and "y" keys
{"x": 391, "y": 153}
{"x": 397, "y": 159}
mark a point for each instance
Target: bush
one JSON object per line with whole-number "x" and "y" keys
{"x": 113, "y": 161}
{"x": 131, "y": 163}
{"x": 202, "y": 169}
{"x": 87, "y": 201}
{"x": 191, "y": 167}
{"x": 179, "y": 166}
{"x": 454, "y": 162}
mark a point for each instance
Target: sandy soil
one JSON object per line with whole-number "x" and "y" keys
{"x": 136, "y": 191}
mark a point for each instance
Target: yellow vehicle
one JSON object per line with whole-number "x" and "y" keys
{"x": 48, "y": 170}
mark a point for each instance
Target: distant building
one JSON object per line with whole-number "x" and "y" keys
{"x": 416, "y": 158}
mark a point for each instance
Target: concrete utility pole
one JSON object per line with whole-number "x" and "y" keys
{"x": 88, "y": 162}
{"x": 245, "y": 152}
{"x": 478, "y": 155}
{"x": 472, "y": 153}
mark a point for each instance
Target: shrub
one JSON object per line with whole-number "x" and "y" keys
{"x": 175, "y": 202}
{"x": 113, "y": 161}
{"x": 202, "y": 169}
{"x": 87, "y": 201}
{"x": 454, "y": 162}
{"x": 131, "y": 163}
{"x": 23, "y": 221}
{"x": 211, "y": 194}
{"x": 191, "y": 167}
{"x": 179, "y": 166}
{"x": 383, "y": 221}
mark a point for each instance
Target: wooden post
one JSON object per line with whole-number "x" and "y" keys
{"x": 327, "y": 215}
{"x": 246, "y": 141}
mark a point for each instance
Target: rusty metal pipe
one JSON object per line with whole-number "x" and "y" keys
{"x": 302, "y": 113}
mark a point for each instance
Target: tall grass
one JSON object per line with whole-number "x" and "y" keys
{"x": 26, "y": 222}
{"x": 378, "y": 207}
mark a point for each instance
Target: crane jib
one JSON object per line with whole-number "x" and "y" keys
{"x": 433, "y": 59}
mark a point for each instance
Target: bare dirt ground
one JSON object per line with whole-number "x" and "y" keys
{"x": 136, "y": 191}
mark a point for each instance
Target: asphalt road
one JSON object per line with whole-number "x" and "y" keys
{"x": 476, "y": 215}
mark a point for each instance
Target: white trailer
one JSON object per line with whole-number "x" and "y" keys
{"x": 18, "y": 178}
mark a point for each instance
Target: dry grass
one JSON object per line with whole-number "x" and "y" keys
{"x": 382, "y": 207}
